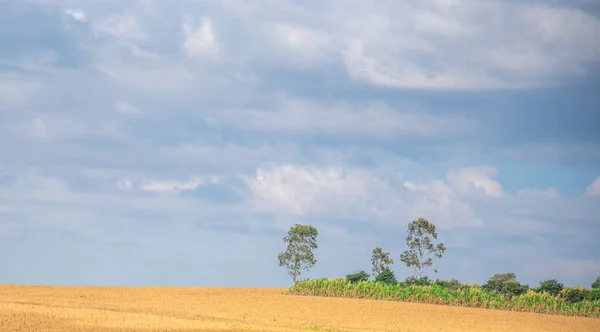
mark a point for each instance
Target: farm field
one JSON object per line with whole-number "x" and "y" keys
{"x": 90, "y": 308}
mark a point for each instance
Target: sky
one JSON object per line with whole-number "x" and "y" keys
{"x": 176, "y": 142}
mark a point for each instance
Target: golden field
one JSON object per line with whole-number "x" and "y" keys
{"x": 62, "y": 308}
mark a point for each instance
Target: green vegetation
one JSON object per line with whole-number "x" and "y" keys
{"x": 358, "y": 277}
{"x": 466, "y": 295}
{"x": 301, "y": 242}
{"x": 596, "y": 284}
{"x": 380, "y": 260}
{"x": 386, "y": 276}
{"x": 501, "y": 291}
{"x": 420, "y": 246}
{"x": 552, "y": 287}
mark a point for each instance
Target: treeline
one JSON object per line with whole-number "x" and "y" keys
{"x": 501, "y": 291}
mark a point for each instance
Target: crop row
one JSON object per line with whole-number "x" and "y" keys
{"x": 466, "y": 296}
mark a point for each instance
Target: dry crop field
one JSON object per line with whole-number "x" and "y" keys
{"x": 62, "y": 308}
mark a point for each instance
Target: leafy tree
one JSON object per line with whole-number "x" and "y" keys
{"x": 596, "y": 284}
{"x": 357, "y": 277}
{"x": 386, "y": 276}
{"x": 380, "y": 260}
{"x": 497, "y": 281}
{"x": 593, "y": 295}
{"x": 574, "y": 294}
{"x": 421, "y": 249}
{"x": 514, "y": 288}
{"x": 450, "y": 284}
{"x": 423, "y": 281}
{"x": 552, "y": 287}
{"x": 301, "y": 242}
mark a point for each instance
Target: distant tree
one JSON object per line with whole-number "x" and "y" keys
{"x": 386, "y": 276}
{"x": 596, "y": 284}
{"x": 420, "y": 247}
{"x": 450, "y": 284}
{"x": 497, "y": 281}
{"x": 380, "y": 260}
{"x": 301, "y": 242}
{"x": 423, "y": 281}
{"x": 552, "y": 287}
{"x": 514, "y": 288}
{"x": 358, "y": 277}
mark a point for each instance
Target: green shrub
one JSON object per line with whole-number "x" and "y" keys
{"x": 593, "y": 294}
{"x": 497, "y": 281}
{"x": 596, "y": 284}
{"x": 552, "y": 287}
{"x": 386, "y": 276}
{"x": 514, "y": 288}
{"x": 449, "y": 284}
{"x": 357, "y": 277}
{"x": 423, "y": 281}
{"x": 574, "y": 294}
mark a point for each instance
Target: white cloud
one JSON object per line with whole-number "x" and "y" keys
{"x": 160, "y": 186}
{"x": 124, "y": 184}
{"x": 296, "y": 190}
{"x": 200, "y": 41}
{"x": 521, "y": 47}
{"x": 400, "y": 72}
{"x": 303, "y": 44}
{"x": 479, "y": 178}
{"x": 462, "y": 44}
{"x": 594, "y": 188}
{"x": 439, "y": 203}
{"x": 77, "y": 15}
{"x": 121, "y": 26}
{"x": 343, "y": 192}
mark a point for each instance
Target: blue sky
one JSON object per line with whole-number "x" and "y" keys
{"x": 175, "y": 143}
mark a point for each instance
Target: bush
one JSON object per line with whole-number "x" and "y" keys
{"x": 596, "y": 284}
{"x": 552, "y": 287}
{"x": 358, "y": 277}
{"x": 514, "y": 288}
{"x": 497, "y": 281}
{"x": 449, "y": 284}
{"x": 386, "y": 276}
{"x": 423, "y": 281}
{"x": 593, "y": 294}
{"x": 574, "y": 294}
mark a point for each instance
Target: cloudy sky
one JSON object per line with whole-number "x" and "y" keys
{"x": 175, "y": 142}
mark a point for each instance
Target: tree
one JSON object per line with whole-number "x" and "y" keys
{"x": 421, "y": 249}
{"x": 386, "y": 276}
{"x": 552, "y": 287}
{"x": 301, "y": 242}
{"x": 358, "y": 277}
{"x": 514, "y": 288}
{"x": 497, "y": 281}
{"x": 380, "y": 260}
{"x": 596, "y": 284}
